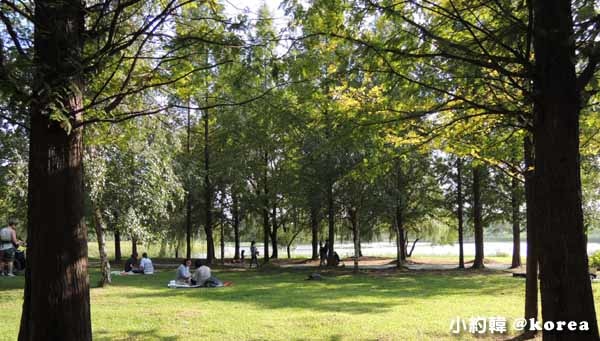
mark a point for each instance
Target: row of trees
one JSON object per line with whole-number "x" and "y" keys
{"x": 361, "y": 118}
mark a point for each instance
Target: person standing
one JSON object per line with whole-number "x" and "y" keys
{"x": 8, "y": 247}
{"x": 253, "y": 254}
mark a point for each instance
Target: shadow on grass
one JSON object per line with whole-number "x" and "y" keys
{"x": 360, "y": 293}
{"x": 133, "y": 335}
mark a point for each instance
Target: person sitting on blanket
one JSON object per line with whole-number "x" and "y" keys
{"x": 202, "y": 276}
{"x": 130, "y": 264}
{"x": 183, "y": 272}
{"x": 146, "y": 266}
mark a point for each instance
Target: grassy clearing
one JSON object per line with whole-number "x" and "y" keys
{"x": 277, "y": 305}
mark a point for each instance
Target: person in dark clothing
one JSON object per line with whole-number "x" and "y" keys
{"x": 253, "y": 254}
{"x": 322, "y": 254}
{"x": 131, "y": 263}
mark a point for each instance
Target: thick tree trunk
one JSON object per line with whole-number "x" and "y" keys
{"x": 208, "y": 196}
{"x": 314, "y": 227}
{"x": 117, "y": 245}
{"x": 398, "y": 219}
{"x": 236, "y": 226}
{"x": 531, "y": 281}
{"x": 401, "y": 234}
{"x": 274, "y": 253}
{"x": 56, "y": 297}
{"x": 477, "y": 221}
{"x": 564, "y": 274}
{"x": 459, "y": 214}
{"x": 104, "y": 264}
{"x": 399, "y": 246}
{"x": 516, "y": 254}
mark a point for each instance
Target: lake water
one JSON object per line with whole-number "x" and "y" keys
{"x": 501, "y": 248}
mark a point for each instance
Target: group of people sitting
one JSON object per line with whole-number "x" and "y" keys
{"x": 201, "y": 276}
{"x": 144, "y": 267}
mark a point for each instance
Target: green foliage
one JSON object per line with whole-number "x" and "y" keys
{"x": 595, "y": 259}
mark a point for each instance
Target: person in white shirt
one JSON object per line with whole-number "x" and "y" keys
{"x": 183, "y": 272}
{"x": 146, "y": 266}
{"x": 202, "y": 276}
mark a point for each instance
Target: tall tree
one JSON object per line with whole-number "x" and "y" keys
{"x": 564, "y": 280}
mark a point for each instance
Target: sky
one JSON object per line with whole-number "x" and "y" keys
{"x": 250, "y": 8}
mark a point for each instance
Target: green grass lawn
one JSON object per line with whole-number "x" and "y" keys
{"x": 278, "y": 305}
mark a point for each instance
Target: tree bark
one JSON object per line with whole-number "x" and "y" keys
{"x": 331, "y": 224}
{"x": 208, "y": 196}
{"x": 236, "y": 225}
{"x": 400, "y": 236}
{"x": 514, "y": 201}
{"x": 460, "y": 213}
{"x": 531, "y": 281}
{"x": 564, "y": 274}
{"x": 314, "y": 226}
{"x": 188, "y": 196}
{"x": 117, "y": 245}
{"x": 222, "y": 244}
{"x": 355, "y": 236}
{"x": 265, "y": 209}
{"x": 56, "y": 297}
{"x": 133, "y": 245}
{"x": 104, "y": 263}
{"x": 274, "y": 253}
{"x": 477, "y": 221}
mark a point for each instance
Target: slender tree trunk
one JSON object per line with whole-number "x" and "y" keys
{"x": 516, "y": 255}
{"x": 104, "y": 263}
{"x": 314, "y": 226}
{"x": 274, "y": 253}
{"x": 56, "y": 297}
{"x": 117, "y": 245}
{"x": 398, "y": 219}
{"x": 222, "y": 244}
{"x": 289, "y": 245}
{"x": 477, "y": 221}
{"x": 208, "y": 195}
{"x": 265, "y": 209}
{"x": 331, "y": 221}
{"x": 459, "y": 214}
{"x": 565, "y": 285}
{"x": 133, "y": 245}
{"x": 163, "y": 248}
{"x": 236, "y": 225}
{"x": 355, "y": 236}
{"x": 188, "y": 197}
{"x": 412, "y": 248}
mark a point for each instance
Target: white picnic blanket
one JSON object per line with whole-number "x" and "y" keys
{"x": 174, "y": 284}
{"x": 123, "y": 273}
